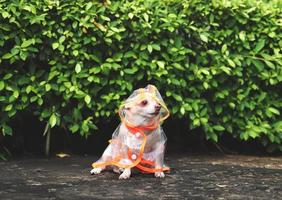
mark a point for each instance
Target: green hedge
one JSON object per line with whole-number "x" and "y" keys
{"x": 217, "y": 63}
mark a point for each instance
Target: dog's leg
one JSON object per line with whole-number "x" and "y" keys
{"x": 107, "y": 156}
{"x": 125, "y": 174}
{"x": 118, "y": 170}
{"x": 97, "y": 170}
{"x": 159, "y": 174}
{"x": 159, "y": 165}
{"x": 159, "y": 160}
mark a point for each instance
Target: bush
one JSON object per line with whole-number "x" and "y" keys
{"x": 217, "y": 63}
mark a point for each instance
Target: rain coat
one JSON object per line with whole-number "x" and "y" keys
{"x": 132, "y": 145}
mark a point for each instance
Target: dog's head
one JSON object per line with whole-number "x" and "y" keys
{"x": 144, "y": 106}
{"x": 147, "y": 107}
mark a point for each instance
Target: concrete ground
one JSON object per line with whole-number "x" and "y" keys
{"x": 191, "y": 177}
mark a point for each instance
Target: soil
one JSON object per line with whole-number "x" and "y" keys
{"x": 191, "y": 177}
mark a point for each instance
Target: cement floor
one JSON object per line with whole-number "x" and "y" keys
{"x": 191, "y": 177}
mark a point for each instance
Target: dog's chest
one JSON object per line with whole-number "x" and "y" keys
{"x": 135, "y": 141}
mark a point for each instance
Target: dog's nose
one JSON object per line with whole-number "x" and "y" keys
{"x": 158, "y": 107}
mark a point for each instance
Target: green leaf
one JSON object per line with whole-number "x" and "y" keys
{"x": 129, "y": 54}
{"x": 62, "y": 39}
{"x": 223, "y": 48}
{"x": 30, "y": 8}
{"x": 15, "y": 51}
{"x": 177, "y": 97}
{"x": 161, "y": 64}
{"x": 150, "y": 48}
{"x": 259, "y": 45}
{"x": 272, "y": 34}
{"x": 47, "y": 87}
{"x": 5, "y": 14}
{"x": 40, "y": 101}
{"x": 269, "y": 64}
{"x": 88, "y": 5}
{"x": 75, "y": 53}
{"x": 206, "y": 85}
{"x": 28, "y": 89}
{"x": 23, "y": 55}
{"x": 196, "y": 122}
{"x": 2, "y": 85}
{"x": 77, "y": 68}
{"x": 214, "y": 137}
{"x": 274, "y": 110}
{"x": 271, "y": 137}
{"x": 52, "y": 120}
{"x": 74, "y": 24}
{"x": 242, "y": 36}
{"x": 7, "y": 76}
{"x": 87, "y": 99}
{"x": 218, "y": 109}
{"x": 252, "y": 133}
{"x": 259, "y": 65}
{"x": 33, "y": 99}
{"x": 182, "y": 110}
{"x": 7, "y": 130}
{"x": 12, "y": 113}
{"x": 227, "y": 70}
{"x": 178, "y": 66}
{"x": 27, "y": 43}
{"x": 146, "y": 17}
{"x": 218, "y": 128}
{"x": 204, "y": 120}
{"x": 130, "y": 15}
{"x": 156, "y": 47}
{"x": 7, "y": 56}
{"x": 55, "y": 45}
{"x": 74, "y": 128}
{"x": 16, "y": 94}
{"x": 232, "y": 105}
{"x": 231, "y": 63}
{"x": 204, "y": 38}
{"x": 85, "y": 127}
{"x": 195, "y": 106}
{"x": 8, "y": 107}
{"x": 130, "y": 70}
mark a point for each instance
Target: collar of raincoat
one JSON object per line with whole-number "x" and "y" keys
{"x": 139, "y": 95}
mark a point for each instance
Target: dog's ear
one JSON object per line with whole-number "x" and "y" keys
{"x": 126, "y": 107}
{"x": 122, "y": 110}
{"x": 151, "y": 88}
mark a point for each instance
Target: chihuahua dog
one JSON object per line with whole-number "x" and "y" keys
{"x": 139, "y": 141}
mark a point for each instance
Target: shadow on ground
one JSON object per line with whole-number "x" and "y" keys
{"x": 191, "y": 177}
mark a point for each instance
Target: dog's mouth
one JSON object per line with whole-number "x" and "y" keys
{"x": 154, "y": 113}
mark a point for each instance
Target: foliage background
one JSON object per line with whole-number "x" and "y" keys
{"x": 71, "y": 63}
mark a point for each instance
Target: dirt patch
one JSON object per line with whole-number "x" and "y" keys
{"x": 237, "y": 160}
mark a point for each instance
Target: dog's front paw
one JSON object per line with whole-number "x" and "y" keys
{"x": 159, "y": 174}
{"x": 125, "y": 174}
{"x": 96, "y": 171}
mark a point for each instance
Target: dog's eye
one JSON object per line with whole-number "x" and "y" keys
{"x": 144, "y": 102}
